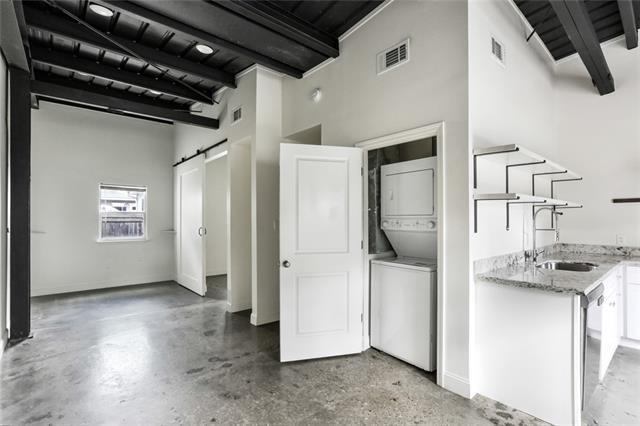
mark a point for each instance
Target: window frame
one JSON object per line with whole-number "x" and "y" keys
{"x": 145, "y": 237}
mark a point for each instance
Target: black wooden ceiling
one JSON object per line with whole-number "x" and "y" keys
{"x": 147, "y": 51}
{"x": 581, "y": 26}
{"x": 605, "y": 16}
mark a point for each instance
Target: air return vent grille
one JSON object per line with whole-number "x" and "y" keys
{"x": 393, "y": 57}
{"x": 497, "y": 50}
{"x": 236, "y": 115}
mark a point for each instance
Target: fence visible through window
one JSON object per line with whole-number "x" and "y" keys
{"x": 122, "y": 212}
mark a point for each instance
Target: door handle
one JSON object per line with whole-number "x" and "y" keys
{"x": 202, "y": 231}
{"x": 286, "y": 263}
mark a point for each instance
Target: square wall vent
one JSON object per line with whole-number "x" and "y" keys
{"x": 236, "y": 115}
{"x": 393, "y": 57}
{"x": 498, "y": 51}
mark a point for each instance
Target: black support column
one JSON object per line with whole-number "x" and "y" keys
{"x": 20, "y": 200}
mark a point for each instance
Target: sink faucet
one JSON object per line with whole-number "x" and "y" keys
{"x": 534, "y": 252}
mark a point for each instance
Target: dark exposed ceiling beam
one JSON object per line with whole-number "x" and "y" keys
{"x": 576, "y": 22}
{"x": 11, "y": 38}
{"x": 272, "y": 17}
{"x": 107, "y": 111}
{"x": 71, "y": 31}
{"x": 628, "y": 17}
{"x": 104, "y": 90}
{"x": 190, "y": 33}
{"x": 22, "y": 25}
{"x": 78, "y": 96}
{"x": 69, "y": 62}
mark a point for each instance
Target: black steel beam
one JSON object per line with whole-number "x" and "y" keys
{"x": 576, "y": 22}
{"x": 11, "y": 38}
{"x": 190, "y": 33}
{"x": 69, "y": 62}
{"x": 79, "y": 96}
{"x": 628, "y": 16}
{"x": 270, "y": 16}
{"x": 62, "y": 28}
{"x": 107, "y": 111}
{"x": 19, "y": 200}
{"x": 104, "y": 90}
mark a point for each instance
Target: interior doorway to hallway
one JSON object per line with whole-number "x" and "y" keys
{"x": 213, "y": 223}
{"x": 216, "y": 224}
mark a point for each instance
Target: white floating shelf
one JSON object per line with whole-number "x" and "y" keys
{"x": 518, "y": 198}
{"x": 525, "y": 198}
{"x": 511, "y": 155}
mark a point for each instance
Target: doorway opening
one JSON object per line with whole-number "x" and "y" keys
{"x": 403, "y": 222}
{"x": 213, "y": 224}
{"x": 216, "y": 224}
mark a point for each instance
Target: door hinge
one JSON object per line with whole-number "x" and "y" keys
{"x": 361, "y": 317}
{"x": 361, "y": 171}
{"x": 361, "y": 245}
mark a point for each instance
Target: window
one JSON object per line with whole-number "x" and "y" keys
{"x": 123, "y": 213}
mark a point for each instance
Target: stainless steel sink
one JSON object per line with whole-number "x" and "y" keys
{"x": 567, "y": 266}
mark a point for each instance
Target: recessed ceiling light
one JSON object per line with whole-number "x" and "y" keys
{"x": 203, "y": 48}
{"x": 101, "y": 10}
{"x": 155, "y": 92}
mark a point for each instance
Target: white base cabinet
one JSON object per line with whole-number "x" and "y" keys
{"x": 632, "y": 303}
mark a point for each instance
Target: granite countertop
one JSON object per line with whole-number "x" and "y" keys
{"x": 528, "y": 276}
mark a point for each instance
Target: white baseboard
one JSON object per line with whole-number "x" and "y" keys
{"x": 457, "y": 384}
{"x": 262, "y": 319}
{"x": 628, "y": 343}
{"x": 37, "y": 290}
{"x": 243, "y": 305}
{"x": 216, "y": 272}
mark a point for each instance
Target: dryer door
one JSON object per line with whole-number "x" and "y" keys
{"x": 409, "y": 193}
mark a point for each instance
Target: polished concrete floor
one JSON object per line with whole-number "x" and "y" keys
{"x": 217, "y": 287}
{"x": 158, "y": 354}
{"x": 616, "y": 401}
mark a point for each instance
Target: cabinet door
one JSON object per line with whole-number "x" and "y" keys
{"x": 633, "y": 311}
{"x": 610, "y": 336}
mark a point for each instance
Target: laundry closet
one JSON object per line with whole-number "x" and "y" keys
{"x": 403, "y": 240}
{"x": 359, "y": 248}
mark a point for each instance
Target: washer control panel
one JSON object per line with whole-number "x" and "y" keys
{"x": 410, "y": 224}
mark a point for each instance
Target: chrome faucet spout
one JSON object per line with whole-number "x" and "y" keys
{"x": 534, "y": 252}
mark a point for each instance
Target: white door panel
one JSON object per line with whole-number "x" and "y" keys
{"x": 189, "y": 198}
{"x": 321, "y": 290}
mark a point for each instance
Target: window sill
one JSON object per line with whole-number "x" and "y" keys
{"x": 122, "y": 240}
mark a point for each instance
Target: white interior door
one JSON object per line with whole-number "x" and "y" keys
{"x": 321, "y": 288}
{"x": 189, "y": 180}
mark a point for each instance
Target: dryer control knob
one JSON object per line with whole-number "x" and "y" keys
{"x": 431, "y": 224}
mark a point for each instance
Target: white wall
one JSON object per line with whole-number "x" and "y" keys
{"x": 357, "y": 105}
{"x": 265, "y": 241}
{"x": 189, "y": 138}
{"x": 217, "y": 186}
{"x": 3, "y": 203}
{"x": 599, "y": 137}
{"x": 239, "y": 262}
{"x": 508, "y": 104}
{"x": 73, "y": 151}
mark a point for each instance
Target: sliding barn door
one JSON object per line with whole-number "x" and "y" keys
{"x": 189, "y": 181}
{"x": 321, "y": 288}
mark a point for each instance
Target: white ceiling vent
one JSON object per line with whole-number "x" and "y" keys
{"x": 498, "y": 51}
{"x": 236, "y": 115}
{"x": 393, "y": 57}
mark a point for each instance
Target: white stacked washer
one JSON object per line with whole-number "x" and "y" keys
{"x": 403, "y": 289}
